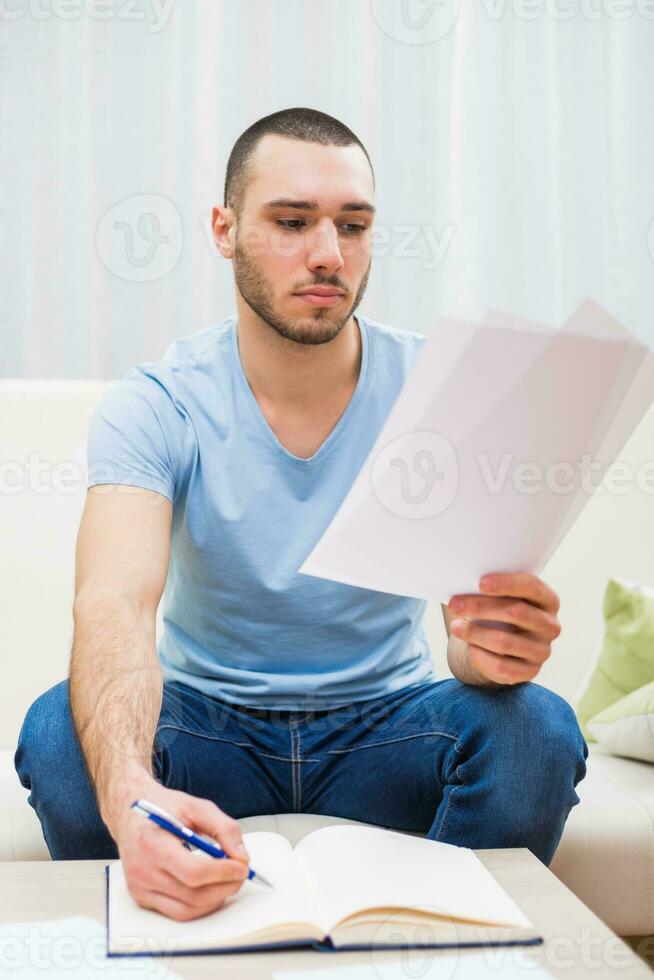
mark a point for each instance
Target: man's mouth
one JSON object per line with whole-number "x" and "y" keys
{"x": 321, "y": 295}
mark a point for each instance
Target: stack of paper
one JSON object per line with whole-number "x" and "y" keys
{"x": 69, "y": 948}
{"x": 499, "y": 437}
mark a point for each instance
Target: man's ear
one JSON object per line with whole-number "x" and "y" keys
{"x": 223, "y": 229}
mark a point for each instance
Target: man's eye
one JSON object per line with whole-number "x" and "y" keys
{"x": 292, "y": 224}
{"x": 295, "y": 224}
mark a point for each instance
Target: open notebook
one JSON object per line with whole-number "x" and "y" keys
{"x": 341, "y": 887}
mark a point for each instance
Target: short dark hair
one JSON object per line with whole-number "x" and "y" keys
{"x": 308, "y": 125}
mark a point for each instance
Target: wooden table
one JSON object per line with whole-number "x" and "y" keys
{"x": 577, "y": 944}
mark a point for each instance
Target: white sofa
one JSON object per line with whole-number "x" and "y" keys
{"x": 606, "y": 855}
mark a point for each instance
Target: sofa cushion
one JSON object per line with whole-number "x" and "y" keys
{"x": 627, "y": 726}
{"x": 626, "y": 661}
{"x": 43, "y": 425}
{"x": 20, "y": 831}
{"x": 606, "y": 854}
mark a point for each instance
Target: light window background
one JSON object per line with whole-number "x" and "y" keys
{"x": 513, "y": 144}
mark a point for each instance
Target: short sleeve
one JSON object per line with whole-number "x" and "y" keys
{"x": 138, "y": 436}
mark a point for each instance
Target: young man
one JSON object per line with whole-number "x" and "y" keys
{"x": 217, "y": 468}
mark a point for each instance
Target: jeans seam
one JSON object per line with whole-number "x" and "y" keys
{"x": 447, "y": 810}
{"x": 296, "y": 752}
{"x": 299, "y": 769}
{"x": 451, "y": 794}
{"x": 229, "y": 741}
{"x": 293, "y": 772}
{"x": 390, "y": 741}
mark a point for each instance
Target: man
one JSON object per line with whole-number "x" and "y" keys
{"x": 214, "y": 471}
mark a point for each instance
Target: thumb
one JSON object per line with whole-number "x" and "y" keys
{"x": 209, "y": 819}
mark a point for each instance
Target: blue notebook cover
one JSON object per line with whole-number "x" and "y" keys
{"x": 324, "y": 946}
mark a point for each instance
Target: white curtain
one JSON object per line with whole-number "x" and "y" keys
{"x": 513, "y": 142}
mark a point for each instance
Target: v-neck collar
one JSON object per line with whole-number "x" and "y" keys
{"x": 337, "y": 431}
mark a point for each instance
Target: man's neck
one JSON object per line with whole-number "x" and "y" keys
{"x": 298, "y": 377}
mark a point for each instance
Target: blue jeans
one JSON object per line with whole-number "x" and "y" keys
{"x": 465, "y": 765}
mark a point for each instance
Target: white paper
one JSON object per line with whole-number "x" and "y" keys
{"x": 482, "y": 464}
{"x": 60, "y": 949}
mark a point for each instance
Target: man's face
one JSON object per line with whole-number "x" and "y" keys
{"x": 306, "y": 221}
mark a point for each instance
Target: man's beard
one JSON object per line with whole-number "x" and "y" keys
{"x": 258, "y": 294}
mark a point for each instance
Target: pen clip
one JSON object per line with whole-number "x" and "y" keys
{"x": 145, "y": 808}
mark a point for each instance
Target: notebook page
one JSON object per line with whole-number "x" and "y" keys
{"x": 250, "y": 910}
{"x": 355, "y": 868}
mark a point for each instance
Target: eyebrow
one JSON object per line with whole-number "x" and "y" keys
{"x": 287, "y": 202}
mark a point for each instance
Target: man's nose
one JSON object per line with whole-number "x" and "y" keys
{"x": 323, "y": 249}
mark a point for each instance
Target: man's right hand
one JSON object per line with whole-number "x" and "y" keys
{"x": 164, "y": 875}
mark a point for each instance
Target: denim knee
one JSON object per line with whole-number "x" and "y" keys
{"x": 523, "y": 727}
{"x": 50, "y": 763}
{"x": 547, "y": 724}
{"x": 550, "y": 717}
{"x": 45, "y": 737}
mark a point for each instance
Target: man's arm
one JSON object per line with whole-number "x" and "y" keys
{"x": 116, "y": 683}
{"x": 116, "y": 687}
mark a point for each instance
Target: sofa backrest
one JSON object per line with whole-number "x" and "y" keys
{"x": 43, "y": 427}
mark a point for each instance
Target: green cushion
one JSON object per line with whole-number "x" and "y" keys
{"x": 626, "y": 661}
{"x": 627, "y": 726}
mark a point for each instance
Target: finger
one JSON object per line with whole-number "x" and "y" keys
{"x": 165, "y": 904}
{"x": 501, "y": 669}
{"x": 163, "y": 851}
{"x": 528, "y": 617}
{"x": 523, "y": 585}
{"x": 499, "y": 641}
{"x": 206, "y": 818}
{"x": 161, "y": 880}
{"x": 173, "y": 907}
{"x": 204, "y": 896}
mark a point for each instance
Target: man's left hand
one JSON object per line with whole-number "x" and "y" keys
{"x": 507, "y": 654}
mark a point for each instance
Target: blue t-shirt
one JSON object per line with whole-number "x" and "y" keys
{"x": 240, "y": 622}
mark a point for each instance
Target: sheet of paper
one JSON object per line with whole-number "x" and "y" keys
{"x": 514, "y": 963}
{"x": 480, "y": 464}
{"x": 622, "y": 409}
{"x": 61, "y": 949}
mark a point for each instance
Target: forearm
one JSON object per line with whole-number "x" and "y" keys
{"x": 116, "y": 689}
{"x": 459, "y": 664}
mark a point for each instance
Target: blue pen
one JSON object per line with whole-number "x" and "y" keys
{"x": 166, "y": 820}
